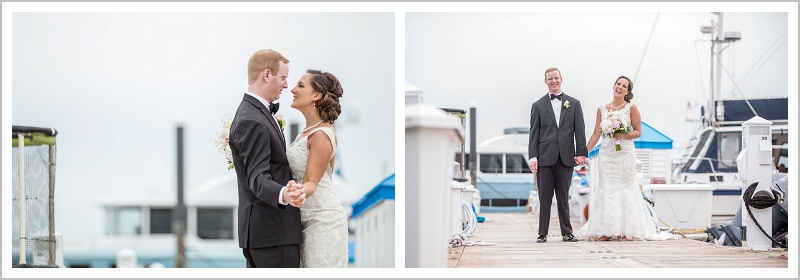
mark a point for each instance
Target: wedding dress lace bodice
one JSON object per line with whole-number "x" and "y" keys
{"x": 297, "y": 153}
{"x": 322, "y": 216}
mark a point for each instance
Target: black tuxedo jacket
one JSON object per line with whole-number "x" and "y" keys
{"x": 262, "y": 169}
{"x": 546, "y": 140}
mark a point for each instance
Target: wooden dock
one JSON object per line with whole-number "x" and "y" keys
{"x": 515, "y": 237}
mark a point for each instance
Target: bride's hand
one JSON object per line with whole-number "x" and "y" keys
{"x": 299, "y": 200}
{"x": 297, "y": 196}
{"x": 294, "y": 194}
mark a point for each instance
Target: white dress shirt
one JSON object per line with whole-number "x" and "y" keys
{"x": 556, "y": 103}
{"x": 263, "y": 101}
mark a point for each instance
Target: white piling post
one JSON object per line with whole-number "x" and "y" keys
{"x": 21, "y": 169}
{"x": 430, "y": 135}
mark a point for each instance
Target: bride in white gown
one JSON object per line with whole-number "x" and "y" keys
{"x": 311, "y": 158}
{"x": 617, "y": 209}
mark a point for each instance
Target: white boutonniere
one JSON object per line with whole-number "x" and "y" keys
{"x": 281, "y": 121}
{"x": 566, "y": 103}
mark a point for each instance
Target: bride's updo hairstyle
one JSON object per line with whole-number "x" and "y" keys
{"x": 629, "y": 96}
{"x": 327, "y": 84}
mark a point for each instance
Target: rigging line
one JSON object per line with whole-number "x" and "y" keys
{"x": 769, "y": 50}
{"x": 699, "y": 71}
{"x": 765, "y": 58}
{"x": 738, "y": 89}
{"x": 652, "y": 30}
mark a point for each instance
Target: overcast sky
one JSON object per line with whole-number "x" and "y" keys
{"x": 115, "y": 84}
{"x": 499, "y": 59}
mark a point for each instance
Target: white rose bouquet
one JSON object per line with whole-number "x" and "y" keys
{"x": 222, "y": 142}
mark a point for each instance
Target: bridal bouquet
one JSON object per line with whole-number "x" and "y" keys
{"x": 614, "y": 124}
{"x": 222, "y": 142}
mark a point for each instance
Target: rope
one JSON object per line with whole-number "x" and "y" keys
{"x": 472, "y": 220}
{"x": 460, "y": 239}
{"x": 760, "y": 202}
{"x": 653, "y": 215}
{"x": 672, "y": 228}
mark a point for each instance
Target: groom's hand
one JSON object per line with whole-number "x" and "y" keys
{"x": 289, "y": 189}
{"x": 287, "y": 194}
{"x": 297, "y": 197}
{"x": 581, "y": 160}
{"x": 534, "y": 165}
{"x": 291, "y": 186}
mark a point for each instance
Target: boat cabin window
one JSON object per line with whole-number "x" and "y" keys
{"x": 125, "y": 220}
{"x": 503, "y": 163}
{"x": 215, "y": 223}
{"x": 160, "y": 220}
{"x": 730, "y": 144}
{"x": 516, "y": 163}
{"x": 491, "y": 163}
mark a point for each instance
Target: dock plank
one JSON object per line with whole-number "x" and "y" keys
{"x": 515, "y": 237}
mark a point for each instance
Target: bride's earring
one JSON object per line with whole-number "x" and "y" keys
{"x": 315, "y": 105}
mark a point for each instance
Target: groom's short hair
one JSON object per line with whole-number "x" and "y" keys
{"x": 551, "y": 69}
{"x": 263, "y": 59}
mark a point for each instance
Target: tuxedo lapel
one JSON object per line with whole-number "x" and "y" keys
{"x": 265, "y": 110}
{"x": 274, "y": 125}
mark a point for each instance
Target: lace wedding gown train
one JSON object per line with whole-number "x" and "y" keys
{"x": 616, "y": 207}
{"x": 323, "y": 219}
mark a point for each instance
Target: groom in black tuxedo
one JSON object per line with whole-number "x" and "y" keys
{"x": 269, "y": 228}
{"x": 556, "y": 143}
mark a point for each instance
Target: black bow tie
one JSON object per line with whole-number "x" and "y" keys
{"x": 553, "y": 96}
{"x": 273, "y": 107}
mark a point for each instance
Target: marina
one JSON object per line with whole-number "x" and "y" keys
{"x": 708, "y": 187}
{"x": 509, "y": 241}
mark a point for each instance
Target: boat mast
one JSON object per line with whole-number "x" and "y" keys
{"x": 719, "y": 110}
{"x": 716, "y": 108}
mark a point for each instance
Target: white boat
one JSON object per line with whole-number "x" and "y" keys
{"x": 710, "y": 156}
{"x": 503, "y": 176}
{"x": 141, "y": 223}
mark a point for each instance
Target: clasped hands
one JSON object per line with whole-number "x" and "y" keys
{"x": 534, "y": 165}
{"x": 580, "y": 160}
{"x": 294, "y": 194}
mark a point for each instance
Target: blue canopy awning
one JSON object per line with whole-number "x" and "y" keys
{"x": 384, "y": 190}
{"x": 650, "y": 139}
{"x": 769, "y": 109}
